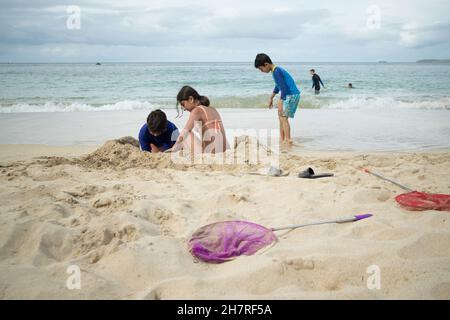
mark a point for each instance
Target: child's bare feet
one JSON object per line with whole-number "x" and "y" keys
{"x": 287, "y": 143}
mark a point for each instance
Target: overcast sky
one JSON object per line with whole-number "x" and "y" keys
{"x": 233, "y": 30}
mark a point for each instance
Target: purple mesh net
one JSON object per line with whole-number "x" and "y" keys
{"x": 223, "y": 241}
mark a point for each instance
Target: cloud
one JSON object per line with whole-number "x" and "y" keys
{"x": 278, "y": 23}
{"x": 153, "y": 26}
{"x": 201, "y": 29}
{"x": 415, "y": 36}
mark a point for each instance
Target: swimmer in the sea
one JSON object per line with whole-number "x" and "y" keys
{"x": 316, "y": 81}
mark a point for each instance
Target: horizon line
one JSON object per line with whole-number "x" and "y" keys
{"x": 205, "y": 61}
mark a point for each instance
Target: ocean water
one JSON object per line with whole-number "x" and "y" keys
{"x": 401, "y": 106}
{"x": 143, "y": 86}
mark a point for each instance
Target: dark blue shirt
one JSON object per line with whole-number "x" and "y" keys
{"x": 164, "y": 141}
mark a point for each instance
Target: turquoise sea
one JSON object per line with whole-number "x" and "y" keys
{"x": 394, "y": 106}
{"x": 141, "y": 86}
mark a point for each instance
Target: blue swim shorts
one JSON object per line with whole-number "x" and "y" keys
{"x": 290, "y": 105}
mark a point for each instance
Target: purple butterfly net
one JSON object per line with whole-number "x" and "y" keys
{"x": 223, "y": 241}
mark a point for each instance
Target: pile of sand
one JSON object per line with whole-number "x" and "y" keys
{"x": 124, "y": 153}
{"x": 246, "y": 155}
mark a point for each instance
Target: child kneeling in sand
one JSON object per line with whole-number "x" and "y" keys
{"x": 158, "y": 134}
{"x": 204, "y": 131}
{"x": 290, "y": 94}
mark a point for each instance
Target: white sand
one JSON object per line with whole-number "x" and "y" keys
{"x": 124, "y": 218}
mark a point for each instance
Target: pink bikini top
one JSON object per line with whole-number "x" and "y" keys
{"x": 215, "y": 122}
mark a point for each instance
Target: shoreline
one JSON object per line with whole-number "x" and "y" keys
{"x": 321, "y": 129}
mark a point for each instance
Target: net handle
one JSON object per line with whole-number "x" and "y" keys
{"x": 387, "y": 179}
{"x": 340, "y": 220}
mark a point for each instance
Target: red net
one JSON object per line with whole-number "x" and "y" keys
{"x": 419, "y": 201}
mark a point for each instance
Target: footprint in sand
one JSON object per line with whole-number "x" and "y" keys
{"x": 37, "y": 173}
{"x": 300, "y": 263}
{"x": 164, "y": 219}
{"x": 230, "y": 199}
{"x": 431, "y": 245}
{"x": 102, "y": 202}
{"x": 394, "y": 234}
{"x": 89, "y": 240}
{"x": 113, "y": 203}
{"x": 179, "y": 288}
{"x": 50, "y": 211}
{"x": 127, "y": 233}
{"x": 96, "y": 243}
{"x": 371, "y": 196}
{"x": 36, "y": 244}
{"x": 86, "y": 191}
{"x": 54, "y": 245}
{"x": 14, "y": 174}
{"x": 13, "y": 238}
{"x": 303, "y": 273}
{"x": 155, "y": 294}
{"x": 441, "y": 291}
{"x": 236, "y": 197}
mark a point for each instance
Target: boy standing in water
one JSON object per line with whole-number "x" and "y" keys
{"x": 289, "y": 94}
{"x": 316, "y": 81}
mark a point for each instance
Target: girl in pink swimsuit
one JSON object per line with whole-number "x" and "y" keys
{"x": 204, "y": 131}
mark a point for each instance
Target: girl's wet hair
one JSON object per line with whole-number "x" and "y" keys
{"x": 187, "y": 92}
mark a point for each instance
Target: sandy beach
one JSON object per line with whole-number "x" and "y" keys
{"x": 124, "y": 218}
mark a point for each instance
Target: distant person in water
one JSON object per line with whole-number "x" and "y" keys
{"x": 350, "y": 86}
{"x": 158, "y": 134}
{"x": 289, "y": 94}
{"x": 316, "y": 81}
{"x": 204, "y": 131}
